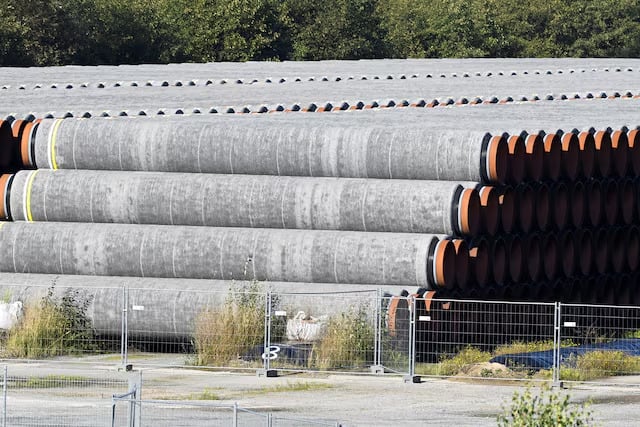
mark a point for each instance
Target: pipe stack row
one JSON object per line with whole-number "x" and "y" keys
{"x": 455, "y": 202}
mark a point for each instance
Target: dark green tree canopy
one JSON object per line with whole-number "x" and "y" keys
{"x": 55, "y": 32}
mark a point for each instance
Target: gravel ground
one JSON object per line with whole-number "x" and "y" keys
{"x": 352, "y": 400}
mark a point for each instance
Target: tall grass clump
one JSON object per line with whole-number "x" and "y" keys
{"x": 548, "y": 408}
{"x": 348, "y": 341}
{"x": 224, "y": 334}
{"x": 56, "y": 326}
{"x": 600, "y": 364}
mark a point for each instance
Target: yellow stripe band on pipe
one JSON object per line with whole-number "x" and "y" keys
{"x": 2, "y": 224}
{"x": 28, "y": 195}
{"x": 54, "y": 136}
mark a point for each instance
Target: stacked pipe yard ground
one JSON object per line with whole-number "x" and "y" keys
{"x": 511, "y": 180}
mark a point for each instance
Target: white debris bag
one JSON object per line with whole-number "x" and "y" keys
{"x": 10, "y": 314}
{"x": 306, "y": 328}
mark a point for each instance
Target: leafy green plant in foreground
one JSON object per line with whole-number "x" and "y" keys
{"x": 547, "y": 408}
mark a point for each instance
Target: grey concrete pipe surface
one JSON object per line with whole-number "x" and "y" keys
{"x": 225, "y": 253}
{"x": 266, "y": 148}
{"x": 244, "y": 201}
{"x": 167, "y": 308}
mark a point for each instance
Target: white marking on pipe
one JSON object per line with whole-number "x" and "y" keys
{"x": 24, "y": 196}
{"x": 198, "y": 150}
{"x": 140, "y": 255}
{"x": 49, "y": 138}
{"x": 173, "y": 184}
{"x": 173, "y": 259}
{"x": 363, "y": 204}
{"x": 282, "y": 198}
{"x": 488, "y": 161}
{"x": 253, "y": 183}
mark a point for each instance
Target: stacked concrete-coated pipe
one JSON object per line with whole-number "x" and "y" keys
{"x": 461, "y": 202}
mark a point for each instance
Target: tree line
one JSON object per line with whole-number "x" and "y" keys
{"x": 91, "y": 32}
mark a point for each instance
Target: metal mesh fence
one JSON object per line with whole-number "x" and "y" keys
{"x": 396, "y": 334}
{"x": 454, "y": 337}
{"x": 598, "y": 341}
{"x": 335, "y": 332}
{"x": 37, "y": 398}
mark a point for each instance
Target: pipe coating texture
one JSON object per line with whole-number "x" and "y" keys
{"x": 244, "y": 201}
{"x": 225, "y": 253}
{"x": 264, "y": 148}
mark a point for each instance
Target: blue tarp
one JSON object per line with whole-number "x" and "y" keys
{"x": 544, "y": 359}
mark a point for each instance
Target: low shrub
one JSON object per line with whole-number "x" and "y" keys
{"x": 348, "y": 341}
{"x": 224, "y": 334}
{"x": 547, "y": 408}
{"x": 56, "y": 326}
{"x": 600, "y": 364}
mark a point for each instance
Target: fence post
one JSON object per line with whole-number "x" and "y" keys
{"x": 124, "y": 334}
{"x": 411, "y": 376}
{"x": 4, "y": 397}
{"x": 377, "y": 367}
{"x": 266, "y": 355}
{"x": 557, "y": 320}
{"x": 235, "y": 414}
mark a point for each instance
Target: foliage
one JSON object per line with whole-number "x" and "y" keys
{"x": 547, "y": 408}
{"x": 599, "y": 364}
{"x": 224, "y": 334}
{"x": 57, "y": 326}
{"x": 54, "y": 32}
{"x": 348, "y": 341}
{"x": 466, "y": 357}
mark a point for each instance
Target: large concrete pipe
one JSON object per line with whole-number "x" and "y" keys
{"x": 632, "y": 248}
{"x": 489, "y": 206}
{"x": 587, "y": 153}
{"x": 619, "y": 152}
{"x": 633, "y": 139}
{"x": 567, "y": 253}
{"x": 263, "y": 148}
{"x": 542, "y": 208}
{"x": 227, "y": 253}
{"x": 245, "y": 201}
{"x": 577, "y": 203}
{"x": 515, "y": 258}
{"x": 168, "y": 308}
{"x": 549, "y": 250}
{"x": 7, "y": 147}
{"x": 626, "y": 201}
{"x": 532, "y": 252}
{"x": 594, "y": 202}
{"x": 617, "y": 257}
{"x": 610, "y": 201}
{"x": 462, "y": 263}
{"x": 559, "y": 205}
{"x": 534, "y": 160}
{"x": 552, "y": 156}
{"x": 603, "y": 152}
{"x": 601, "y": 250}
{"x": 499, "y": 260}
{"x": 584, "y": 250}
{"x": 507, "y": 209}
{"x": 517, "y": 158}
{"x": 570, "y": 156}
{"x": 525, "y": 202}
{"x": 479, "y": 263}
